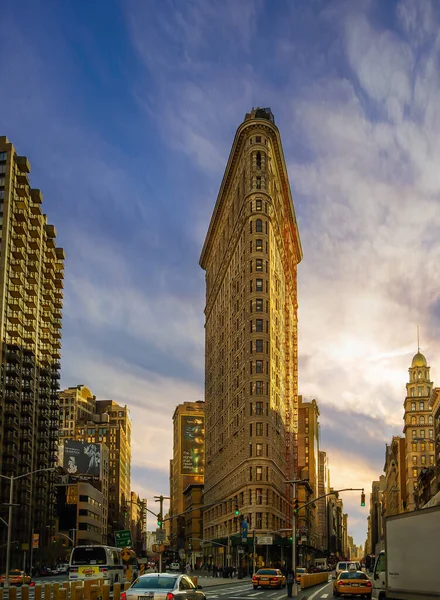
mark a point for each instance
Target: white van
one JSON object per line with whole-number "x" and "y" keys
{"x": 347, "y": 565}
{"x": 96, "y": 562}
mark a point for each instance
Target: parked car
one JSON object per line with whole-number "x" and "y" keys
{"x": 175, "y": 566}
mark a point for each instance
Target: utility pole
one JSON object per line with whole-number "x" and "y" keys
{"x": 160, "y": 499}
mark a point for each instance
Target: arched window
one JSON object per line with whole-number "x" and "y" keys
{"x": 419, "y": 374}
{"x": 430, "y": 422}
{"x": 258, "y": 160}
{"x": 259, "y": 226}
{"x": 422, "y": 406}
{"x": 422, "y": 420}
{"x": 413, "y": 421}
{"x": 250, "y": 226}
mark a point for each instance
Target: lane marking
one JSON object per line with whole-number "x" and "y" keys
{"x": 319, "y": 591}
{"x": 325, "y": 595}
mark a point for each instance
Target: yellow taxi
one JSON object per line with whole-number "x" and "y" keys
{"x": 272, "y": 578}
{"x": 16, "y": 577}
{"x": 299, "y": 572}
{"x": 352, "y": 583}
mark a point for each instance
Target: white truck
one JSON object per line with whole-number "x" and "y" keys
{"x": 321, "y": 564}
{"x": 409, "y": 567}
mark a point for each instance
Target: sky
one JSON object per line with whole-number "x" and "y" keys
{"x": 127, "y": 111}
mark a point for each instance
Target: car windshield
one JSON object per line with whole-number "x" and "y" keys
{"x": 88, "y": 556}
{"x": 348, "y": 575}
{"x": 15, "y": 572}
{"x": 301, "y": 570}
{"x": 155, "y": 583}
{"x": 342, "y": 566}
{"x": 267, "y": 572}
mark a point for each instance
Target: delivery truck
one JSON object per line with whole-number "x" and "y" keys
{"x": 409, "y": 566}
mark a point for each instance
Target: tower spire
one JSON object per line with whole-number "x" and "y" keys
{"x": 418, "y": 340}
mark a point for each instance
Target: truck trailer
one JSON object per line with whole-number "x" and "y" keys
{"x": 409, "y": 566}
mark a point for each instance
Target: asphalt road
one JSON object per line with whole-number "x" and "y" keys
{"x": 245, "y": 591}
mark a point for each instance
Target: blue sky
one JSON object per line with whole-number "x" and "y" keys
{"x": 127, "y": 110}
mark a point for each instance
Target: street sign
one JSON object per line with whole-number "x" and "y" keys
{"x": 123, "y": 538}
{"x": 265, "y": 540}
{"x": 160, "y": 535}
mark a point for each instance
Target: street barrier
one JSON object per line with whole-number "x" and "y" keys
{"x": 311, "y": 579}
{"x": 116, "y": 591}
{"x": 55, "y": 587}
{"x": 94, "y": 592}
{"x": 12, "y": 593}
{"x": 78, "y": 592}
{"x": 24, "y": 592}
{"x": 62, "y": 593}
{"x": 1, "y": 593}
{"x": 47, "y": 591}
{"x": 37, "y": 593}
{"x": 106, "y": 591}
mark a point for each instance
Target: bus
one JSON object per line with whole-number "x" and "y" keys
{"x": 97, "y": 562}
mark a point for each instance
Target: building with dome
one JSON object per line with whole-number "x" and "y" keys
{"x": 418, "y": 426}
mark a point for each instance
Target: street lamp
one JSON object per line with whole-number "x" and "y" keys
{"x": 10, "y": 505}
{"x": 294, "y": 586}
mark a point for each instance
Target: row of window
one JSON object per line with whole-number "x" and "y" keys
{"x": 257, "y": 388}
{"x": 258, "y": 473}
{"x": 421, "y": 420}
{"x": 258, "y": 346}
{"x": 3, "y": 155}
{"x": 259, "y": 367}
{"x": 258, "y": 245}
{"x": 420, "y": 391}
{"x": 259, "y": 409}
{"x": 415, "y": 446}
{"x": 414, "y": 406}
{"x": 421, "y": 433}
{"x": 423, "y": 460}
{"x": 258, "y": 450}
{"x": 258, "y": 226}
{"x": 259, "y": 286}
{"x": 258, "y": 205}
{"x": 258, "y": 428}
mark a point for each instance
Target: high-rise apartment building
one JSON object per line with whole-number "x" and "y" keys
{"x": 323, "y": 488}
{"x": 395, "y": 477}
{"x": 187, "y": 466}
{"x": 31, "y": 300}
{"x": 250, "y": 256}
{"x": 106, "y": 422}
{"x": 419, "y": 425}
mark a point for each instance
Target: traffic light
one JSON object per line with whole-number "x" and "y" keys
{"x": 362, "y": 499}
{"x": 159, "y": 520}
{"x": 237, "y": 511}
{"x": 295, "y": 505}
{"x": 125, "y": 511}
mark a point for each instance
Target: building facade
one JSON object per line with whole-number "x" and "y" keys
{"x": 31, "y": 301}
{"x": 323, "y": 488}
{"x": 418, "y": 427}
{"x": 187, "y": 465}
{"x": 250, "y": 256}
{"x": 77, "y": 405}
{"x": 395, "y": 477}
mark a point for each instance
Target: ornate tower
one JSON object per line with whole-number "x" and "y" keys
{"x": 418, "y": 427}
{"x": 250, "y": 256}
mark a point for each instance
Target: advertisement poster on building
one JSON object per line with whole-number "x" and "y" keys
{"x": 192, "y": 435}
{"x": 35, "y": 540}
{"x": 81, "y": 458}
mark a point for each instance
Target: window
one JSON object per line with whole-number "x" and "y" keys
{"x": 430, "y": 421}
{"x": 422, "y": 447}
{"x": 258, "y": 408}
{"x": 258, "y": 160}
{"x": 422, "y": 420}
{"x": 414, "y": 433}
{"x": 420, "y": 391}
{"x": 414, "y": 447}
{"x": 258, "y": 139}
{"x": 414, "y": 460}
{"x": 259, "y": 245}
{"x": 423, "y": 459}
{"x": 259, "y": 304}
{"x": 431, "y": 434}
{"x": 258, "y": 182}
{"x": 422, "y": 406}
{"x": 259, "y": 473}
{"x": 258, "y": 387}
{"x": 431, "y": 460}
{"x": 258, "y": 226}
{"x": 259, "y": 450}
{"x": 250, "y": 473}
{"x": 258, "y": 366}
{"x": 259, "y": 494}
{"x": 419, "y": 374}
{"x": 414, "y": 472}
{"x": 258, "y": 205}
{"x": 422, "y": 433}
{"x": 412, "y": 392}
{"x": 2, "y": 155}
{"x": 250, "y": 226}
{"x": 413, "y": 406}
{"x": 258, "y": 345}
{"x": 258, "y": 428}
{"x": 258, "y": 285}
{"x": 259, "y": 265}
{"x": 413, "y": 421}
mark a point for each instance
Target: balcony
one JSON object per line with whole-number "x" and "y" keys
{"x": 10, "y": 451}
{"x": 59, "y": 284}
{"x": 13, "y": 383}
{"x": 35, "y": 232}
{"x": 11, "y": 423}
{"x": 27, "y": 399}
{"x": 31, "y": 290}
{"x": 29, "y": 325}
{"x": 27, "y": 424}
{"x": 28, "y": 385}
{"x": 49, "y": 284}
{"x": 32, "y": 266}
{"x": 20, "y": 222}
{"x": 13, "y": 353}
{"x": 22, "y": 164}
{"x": 28, "y": 358}
{"x": 30, "y": 301}
{"x": 27, "y": 410}
{"x": 13, "y": 369}
{"x": 11, "y": 410}
{"x": 16, "y": 291}
{"x": 16, "y": 276}
{"x": 22, "y": 190}
{"x": 17, "y": 265}
{"x": 37, "y": 197}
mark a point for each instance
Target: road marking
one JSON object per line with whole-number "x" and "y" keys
{"x": 325, "y": 595}
{"x": 318, "y": 591}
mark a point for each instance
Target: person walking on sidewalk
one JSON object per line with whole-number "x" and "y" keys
{"x": 188, "y": 568}
{"x": 290, "y": 582}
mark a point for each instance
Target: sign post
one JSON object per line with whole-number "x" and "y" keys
{"x": 123, "y": 538}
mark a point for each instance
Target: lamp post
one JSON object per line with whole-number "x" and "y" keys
{"x": 10, "y": 505}
{"x": 294, "y": 586}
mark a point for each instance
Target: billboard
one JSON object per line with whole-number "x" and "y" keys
{"x": 82, "y": 458}
{"x": 192, "y": 446}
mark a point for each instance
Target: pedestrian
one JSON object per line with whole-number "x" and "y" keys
{"x": 188, "y": 568}
{"x": 290, "y": 582}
